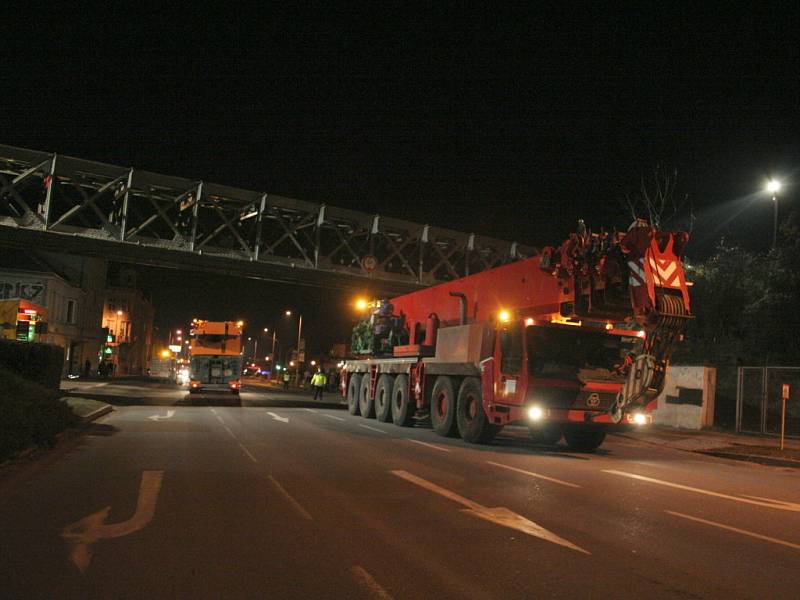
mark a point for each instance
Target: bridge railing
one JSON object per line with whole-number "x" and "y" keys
{"x": 124, "y": 205}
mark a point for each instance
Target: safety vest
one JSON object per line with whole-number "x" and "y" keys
{"x": 319, "y": 379}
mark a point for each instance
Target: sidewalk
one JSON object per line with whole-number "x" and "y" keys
{"x": 754, "y": 448}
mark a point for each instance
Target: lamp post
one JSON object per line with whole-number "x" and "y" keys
{"x": 773, "y": 187}
{"x": 299, "y": 334}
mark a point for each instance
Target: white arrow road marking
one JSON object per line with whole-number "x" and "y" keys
{"x": 169, "y": 415}
{"x": 278, "y": 417}
{"x": 532, "y": 474}
{"x": 737, "y": 530}
{"x": 756, "y": 500}
{"x": 80, "y": 535}
{"x": 499, "y": 516}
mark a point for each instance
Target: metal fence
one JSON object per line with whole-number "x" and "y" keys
{"x": 758, "y": 400}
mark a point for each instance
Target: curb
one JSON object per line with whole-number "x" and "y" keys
{"x": 103, "y": 410}
{"x": 770, "y": 461}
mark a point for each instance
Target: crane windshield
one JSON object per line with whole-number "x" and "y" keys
{"x": 580, "y": 354}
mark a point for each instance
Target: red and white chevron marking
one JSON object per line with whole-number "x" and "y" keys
{"x": 666, "y": 272}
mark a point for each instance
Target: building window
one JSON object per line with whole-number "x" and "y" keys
{"x": 72, "y": 311}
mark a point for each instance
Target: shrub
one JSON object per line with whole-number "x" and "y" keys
{"x": 30, "y": 414}
{"x": 41, "y": 363}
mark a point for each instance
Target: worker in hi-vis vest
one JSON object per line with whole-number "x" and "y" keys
{"x": 318, "y": 382}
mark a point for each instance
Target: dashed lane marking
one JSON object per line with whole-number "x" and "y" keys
{"x": 233, "y": 435}
{"x": 291, "y": 499}
{"x": 246, "y": 451}
{"x": 532, "y": 474}
{"x": 372, "y": 428}
{"x": 368, "y": 582}
{"x": 736, "y": 530}
{"x": 333, "y": 417}
{"x": 499, "y": 515}
{"x": 426, "y": 444}
{"x": 755, "y": 500}
{"x": 311, "y": 410}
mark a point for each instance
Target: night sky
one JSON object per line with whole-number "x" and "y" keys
{"x": 510, "y": 124}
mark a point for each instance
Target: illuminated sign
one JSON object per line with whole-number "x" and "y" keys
{"x": 175, "y": 348}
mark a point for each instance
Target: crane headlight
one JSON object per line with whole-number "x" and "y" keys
{"x": 535, "y": 413}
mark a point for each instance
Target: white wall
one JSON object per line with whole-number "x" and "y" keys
{"x": 687, "y": 416}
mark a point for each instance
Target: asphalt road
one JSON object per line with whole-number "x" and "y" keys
{"x": 279, "y": 499}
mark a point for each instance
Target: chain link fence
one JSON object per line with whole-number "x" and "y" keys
{"x": 758, "y": 400}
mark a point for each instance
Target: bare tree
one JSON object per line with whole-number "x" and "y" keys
{"x": 658, "y": 197}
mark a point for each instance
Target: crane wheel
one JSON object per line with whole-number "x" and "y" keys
{"x": 546, "y": 435}
{"x": 583, "y": 440}
{"x": 443, "y": 407}
{"x": 352, "y": 393}
{"x": 383, "y": 398}
{"x": 473, "y": 425}
{"x": 402, "y": 407}
{"x": 365, "y": 405}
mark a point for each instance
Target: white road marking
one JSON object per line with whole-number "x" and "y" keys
{"x": 233, "y": 435}
{"x": 532, "y": 474}
{"x": 169, "y": 415}
{"x": 214, "y": 410}
{"x": 428, "y": 445}
{"x": 757, "y": 501}
{"x": 368, "y": 582}
{"x": 311, "y": 410}
{"x": 297, "y": 506}
{"x": 499, "y": 515}
{"x": 372, "y": 428}
{"x": 737, "y": 530}
{"x": 82, "y": 534}
{"x": 334, "y": 417}
{"x": 278, "y": 417}
{"x": 246, "y": 451}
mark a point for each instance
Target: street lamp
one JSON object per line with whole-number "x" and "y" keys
{"x": 773, "y": 187}
{"x": 299, "y": 333}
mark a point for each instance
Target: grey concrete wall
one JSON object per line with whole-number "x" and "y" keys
{"x": 687, "y": 401}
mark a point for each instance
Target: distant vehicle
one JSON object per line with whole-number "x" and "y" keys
{"x": 215, "y": 350}
{"x": 163, "y": 367}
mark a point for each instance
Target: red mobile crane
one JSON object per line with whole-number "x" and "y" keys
{"x": 574, "y": 341}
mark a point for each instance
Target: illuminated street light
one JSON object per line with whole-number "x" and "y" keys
{"x": 361, "y": 304}
{"x": 313, "y": 363}
{"x": 505, "y": 316}
{"x": 288, "y": 313}
{"x": 773, "y": 187}
{"x": 179, "y": 331}
{"x": 119, "y": 313}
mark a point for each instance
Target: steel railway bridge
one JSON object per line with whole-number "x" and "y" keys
{"x": 66, "y": 204}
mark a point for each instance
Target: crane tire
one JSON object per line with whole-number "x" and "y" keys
{"x": 546, "y": 435}
{"x": 583, "y": 440}
{"x": 352, "y": 393}
{"x": 366, "y": 405}
{"x": 402, "y": 406}
{"x": 443, "y": 407}
{"x": 383, "y": 398}
{"x": 473, "y": 424}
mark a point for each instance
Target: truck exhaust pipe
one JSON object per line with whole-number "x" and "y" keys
{"x": 463, "y": 300}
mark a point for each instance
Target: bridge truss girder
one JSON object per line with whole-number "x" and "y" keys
{"x": 45, "y": 193}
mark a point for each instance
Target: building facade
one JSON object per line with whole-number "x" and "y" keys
{"x": 50, "y": 307}
{"x": 128, "y": 318}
